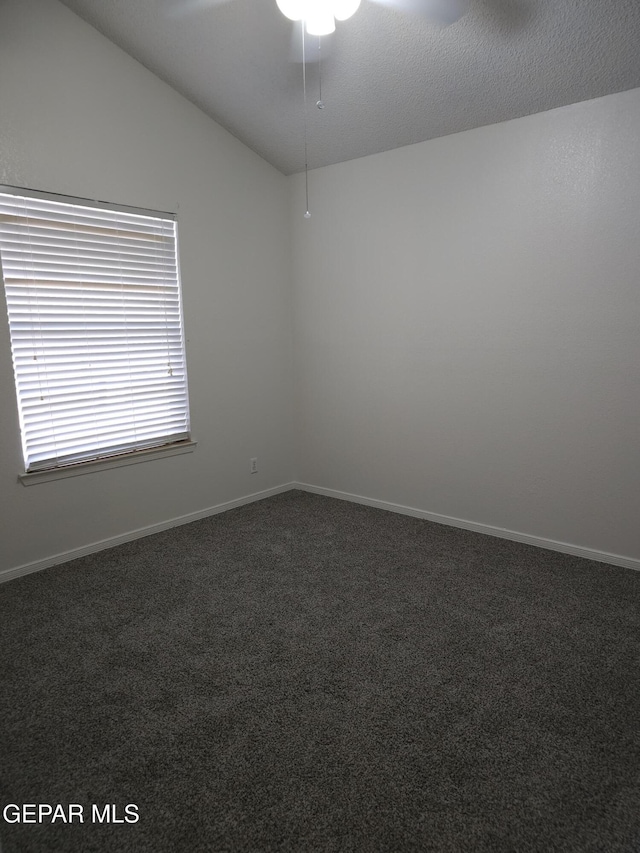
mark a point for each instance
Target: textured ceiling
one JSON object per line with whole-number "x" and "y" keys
{"x": 388, "y": 79}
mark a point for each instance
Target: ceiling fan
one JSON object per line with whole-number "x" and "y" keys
{"x": 317, "y": 18}
{"x": 320, "y": 16}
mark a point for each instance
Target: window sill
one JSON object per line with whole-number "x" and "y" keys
{"x": 115, "y": 462}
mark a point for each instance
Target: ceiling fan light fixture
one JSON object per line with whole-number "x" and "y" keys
{"x": 319, "y": 15}
{"x": 292, "y": 9}
{"x": 344, "y": 9}
{"x": 320, "y": 21}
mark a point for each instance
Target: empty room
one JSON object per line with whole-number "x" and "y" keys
{"x": 320, "y": 478}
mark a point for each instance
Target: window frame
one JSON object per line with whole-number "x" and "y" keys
{"x": 130, "y": 455}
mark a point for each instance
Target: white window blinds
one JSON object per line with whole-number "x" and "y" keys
{"x": 93, "y": 299}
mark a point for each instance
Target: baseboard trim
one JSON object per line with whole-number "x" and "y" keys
{"x": 73, "y": 554}
{"x": 500, "y": 532}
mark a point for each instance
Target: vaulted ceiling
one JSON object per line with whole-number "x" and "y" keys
{"x": 388, "y": 78}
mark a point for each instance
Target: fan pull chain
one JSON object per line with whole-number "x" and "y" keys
{"x": 307, "y": 215}
{"x": 320, "y": 102}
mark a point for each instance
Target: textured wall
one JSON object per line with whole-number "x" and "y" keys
{"x": 80, "y": 117}
{"x": 467, "y": 314}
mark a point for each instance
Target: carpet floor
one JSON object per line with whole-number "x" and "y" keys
{"x": 305, "y": 674}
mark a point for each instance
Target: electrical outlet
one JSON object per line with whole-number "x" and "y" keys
{"x": 254, "y": 465}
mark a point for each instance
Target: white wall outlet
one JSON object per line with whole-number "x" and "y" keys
{"x": 254, "y": 465}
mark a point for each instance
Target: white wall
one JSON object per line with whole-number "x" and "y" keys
{"x": 78, "y": 116}
{"x": 466, "y": 310}
{"x": 467, "y": 325}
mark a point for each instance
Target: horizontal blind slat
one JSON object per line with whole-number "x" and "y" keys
{"x": 93, "y": 299}
{"x": 85, "y": 455}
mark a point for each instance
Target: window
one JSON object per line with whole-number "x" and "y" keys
{"x": 93, "y": 299}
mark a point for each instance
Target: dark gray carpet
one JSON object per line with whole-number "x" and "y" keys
{"x": 304, "y": 674}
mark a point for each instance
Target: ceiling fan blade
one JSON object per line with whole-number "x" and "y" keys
{"x": 182, "y": 8}
{"x": 443, "y": 12}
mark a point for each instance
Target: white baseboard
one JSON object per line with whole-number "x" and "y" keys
{"x": 501, "y": 533}
{"x": 550, "y": 544}
{"x": 73, "y": 554}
